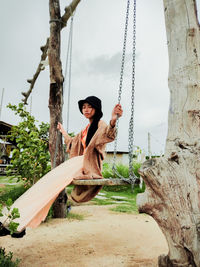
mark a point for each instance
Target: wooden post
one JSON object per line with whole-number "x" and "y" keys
{"x": 56, "y": 89}
{"x": 55, "y": 98}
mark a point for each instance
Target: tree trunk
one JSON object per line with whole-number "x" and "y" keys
{"x": 55, "y": 99}
{"x": 172, "y": 195}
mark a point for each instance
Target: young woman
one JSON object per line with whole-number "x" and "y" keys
{"x": 91, "y": 143}
{"x": 86, "y": 151}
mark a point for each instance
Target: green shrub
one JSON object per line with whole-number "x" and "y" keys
{"x": 30, "y": 159}
{"x": 13, "y": 193}
{"x": 6, "y": 259}
{"x": 122, "y": 170}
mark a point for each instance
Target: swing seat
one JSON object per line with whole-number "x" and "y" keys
{"x": 107, "y": 181}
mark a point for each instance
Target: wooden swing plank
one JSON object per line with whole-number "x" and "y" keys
{"x": 110, "y": 181}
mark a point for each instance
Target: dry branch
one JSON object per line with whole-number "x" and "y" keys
{"x": 39, "y": 69}
{"x": 63, "y": 21}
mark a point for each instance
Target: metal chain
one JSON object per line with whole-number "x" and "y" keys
{"x": 68, "y": 66}
{"x": 120, "y": 84}
{"x": 131, "y": 122}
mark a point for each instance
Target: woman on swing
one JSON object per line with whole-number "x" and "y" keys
{"x": 86, "y": 151}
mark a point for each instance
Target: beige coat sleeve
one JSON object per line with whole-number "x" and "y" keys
{"x": 106, "y": 134}
{"x": 68, "y": 141}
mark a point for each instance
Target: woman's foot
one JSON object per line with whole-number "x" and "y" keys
{"x": 19, "y": 235}
{"x": 3, "y": 230}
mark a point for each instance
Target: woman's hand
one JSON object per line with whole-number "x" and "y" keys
{"x": 61, "y": 129}
{"x": 116, "y": 113}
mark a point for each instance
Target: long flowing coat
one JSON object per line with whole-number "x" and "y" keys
{"x": 92, "y": 159}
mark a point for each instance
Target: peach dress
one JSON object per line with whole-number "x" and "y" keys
{"x": 35, "y": 203}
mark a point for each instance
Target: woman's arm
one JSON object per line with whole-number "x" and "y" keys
{"x": 116, "y": 113}
{"x": 107, "y": 133}
{"x": 63, "y": 132}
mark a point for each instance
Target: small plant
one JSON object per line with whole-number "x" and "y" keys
{"x": 30, "y": 159}
{"x": 6, "y": 259}
{"x": 12, "y": 215}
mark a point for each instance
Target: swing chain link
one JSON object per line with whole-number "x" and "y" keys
{"x": 131, "y": 122}
{"x": 132, "y": 176}
{"x": 68, "y": 68}
{"x": 120, "y": 89}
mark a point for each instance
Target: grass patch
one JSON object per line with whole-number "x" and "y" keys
{"x": 102, "y": 202}
{"x": 123, "y": 197}
{"x": 11, "y": 189}
{"x": 8, "y": 179}
{"x": 114, "y": 196}
{"x": 12, "y": 192}
{"x": 125, "y": 209}
{"x": 75, "y": 216}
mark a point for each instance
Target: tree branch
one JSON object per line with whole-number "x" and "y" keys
{"x": 68, "y": 13}
{"x": 39, "y": 69}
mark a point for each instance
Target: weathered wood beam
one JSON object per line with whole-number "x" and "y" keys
{"x": 111, "y": 181}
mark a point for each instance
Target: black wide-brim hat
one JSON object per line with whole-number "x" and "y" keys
{"x": 94, "y": 101}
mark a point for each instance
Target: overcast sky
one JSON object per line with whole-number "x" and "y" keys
{"x": 97, "y": 49}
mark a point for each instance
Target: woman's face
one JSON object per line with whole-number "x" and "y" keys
{"x": 88, "y": 111}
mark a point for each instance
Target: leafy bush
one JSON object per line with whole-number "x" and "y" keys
{"x": 30, "y": 159}
{"x": 122, "y": 169}
{"x": 107, "y": 171}
{"x": 6, "y": 259}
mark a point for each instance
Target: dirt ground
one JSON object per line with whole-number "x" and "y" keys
{"x": 103, "y": 239}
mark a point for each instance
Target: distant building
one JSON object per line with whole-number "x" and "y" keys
{"x": 4, "y": 128}
{"x": 121, "y": 157}
{"x": 6, "y": 145}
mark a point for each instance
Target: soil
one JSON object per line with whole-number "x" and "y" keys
{"x": 103, "y": 239}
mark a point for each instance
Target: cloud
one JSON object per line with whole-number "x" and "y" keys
{"x": 106, "y": 64}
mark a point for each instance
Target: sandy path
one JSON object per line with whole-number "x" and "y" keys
{"x": 102, "y": 239}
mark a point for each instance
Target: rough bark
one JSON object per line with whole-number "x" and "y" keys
{"x": 172, "y": 195}
{"x": 55, "y": 98}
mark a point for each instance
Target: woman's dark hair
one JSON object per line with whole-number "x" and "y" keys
{"x": 95, "y": 102}
{"x": 94, "y": 126}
